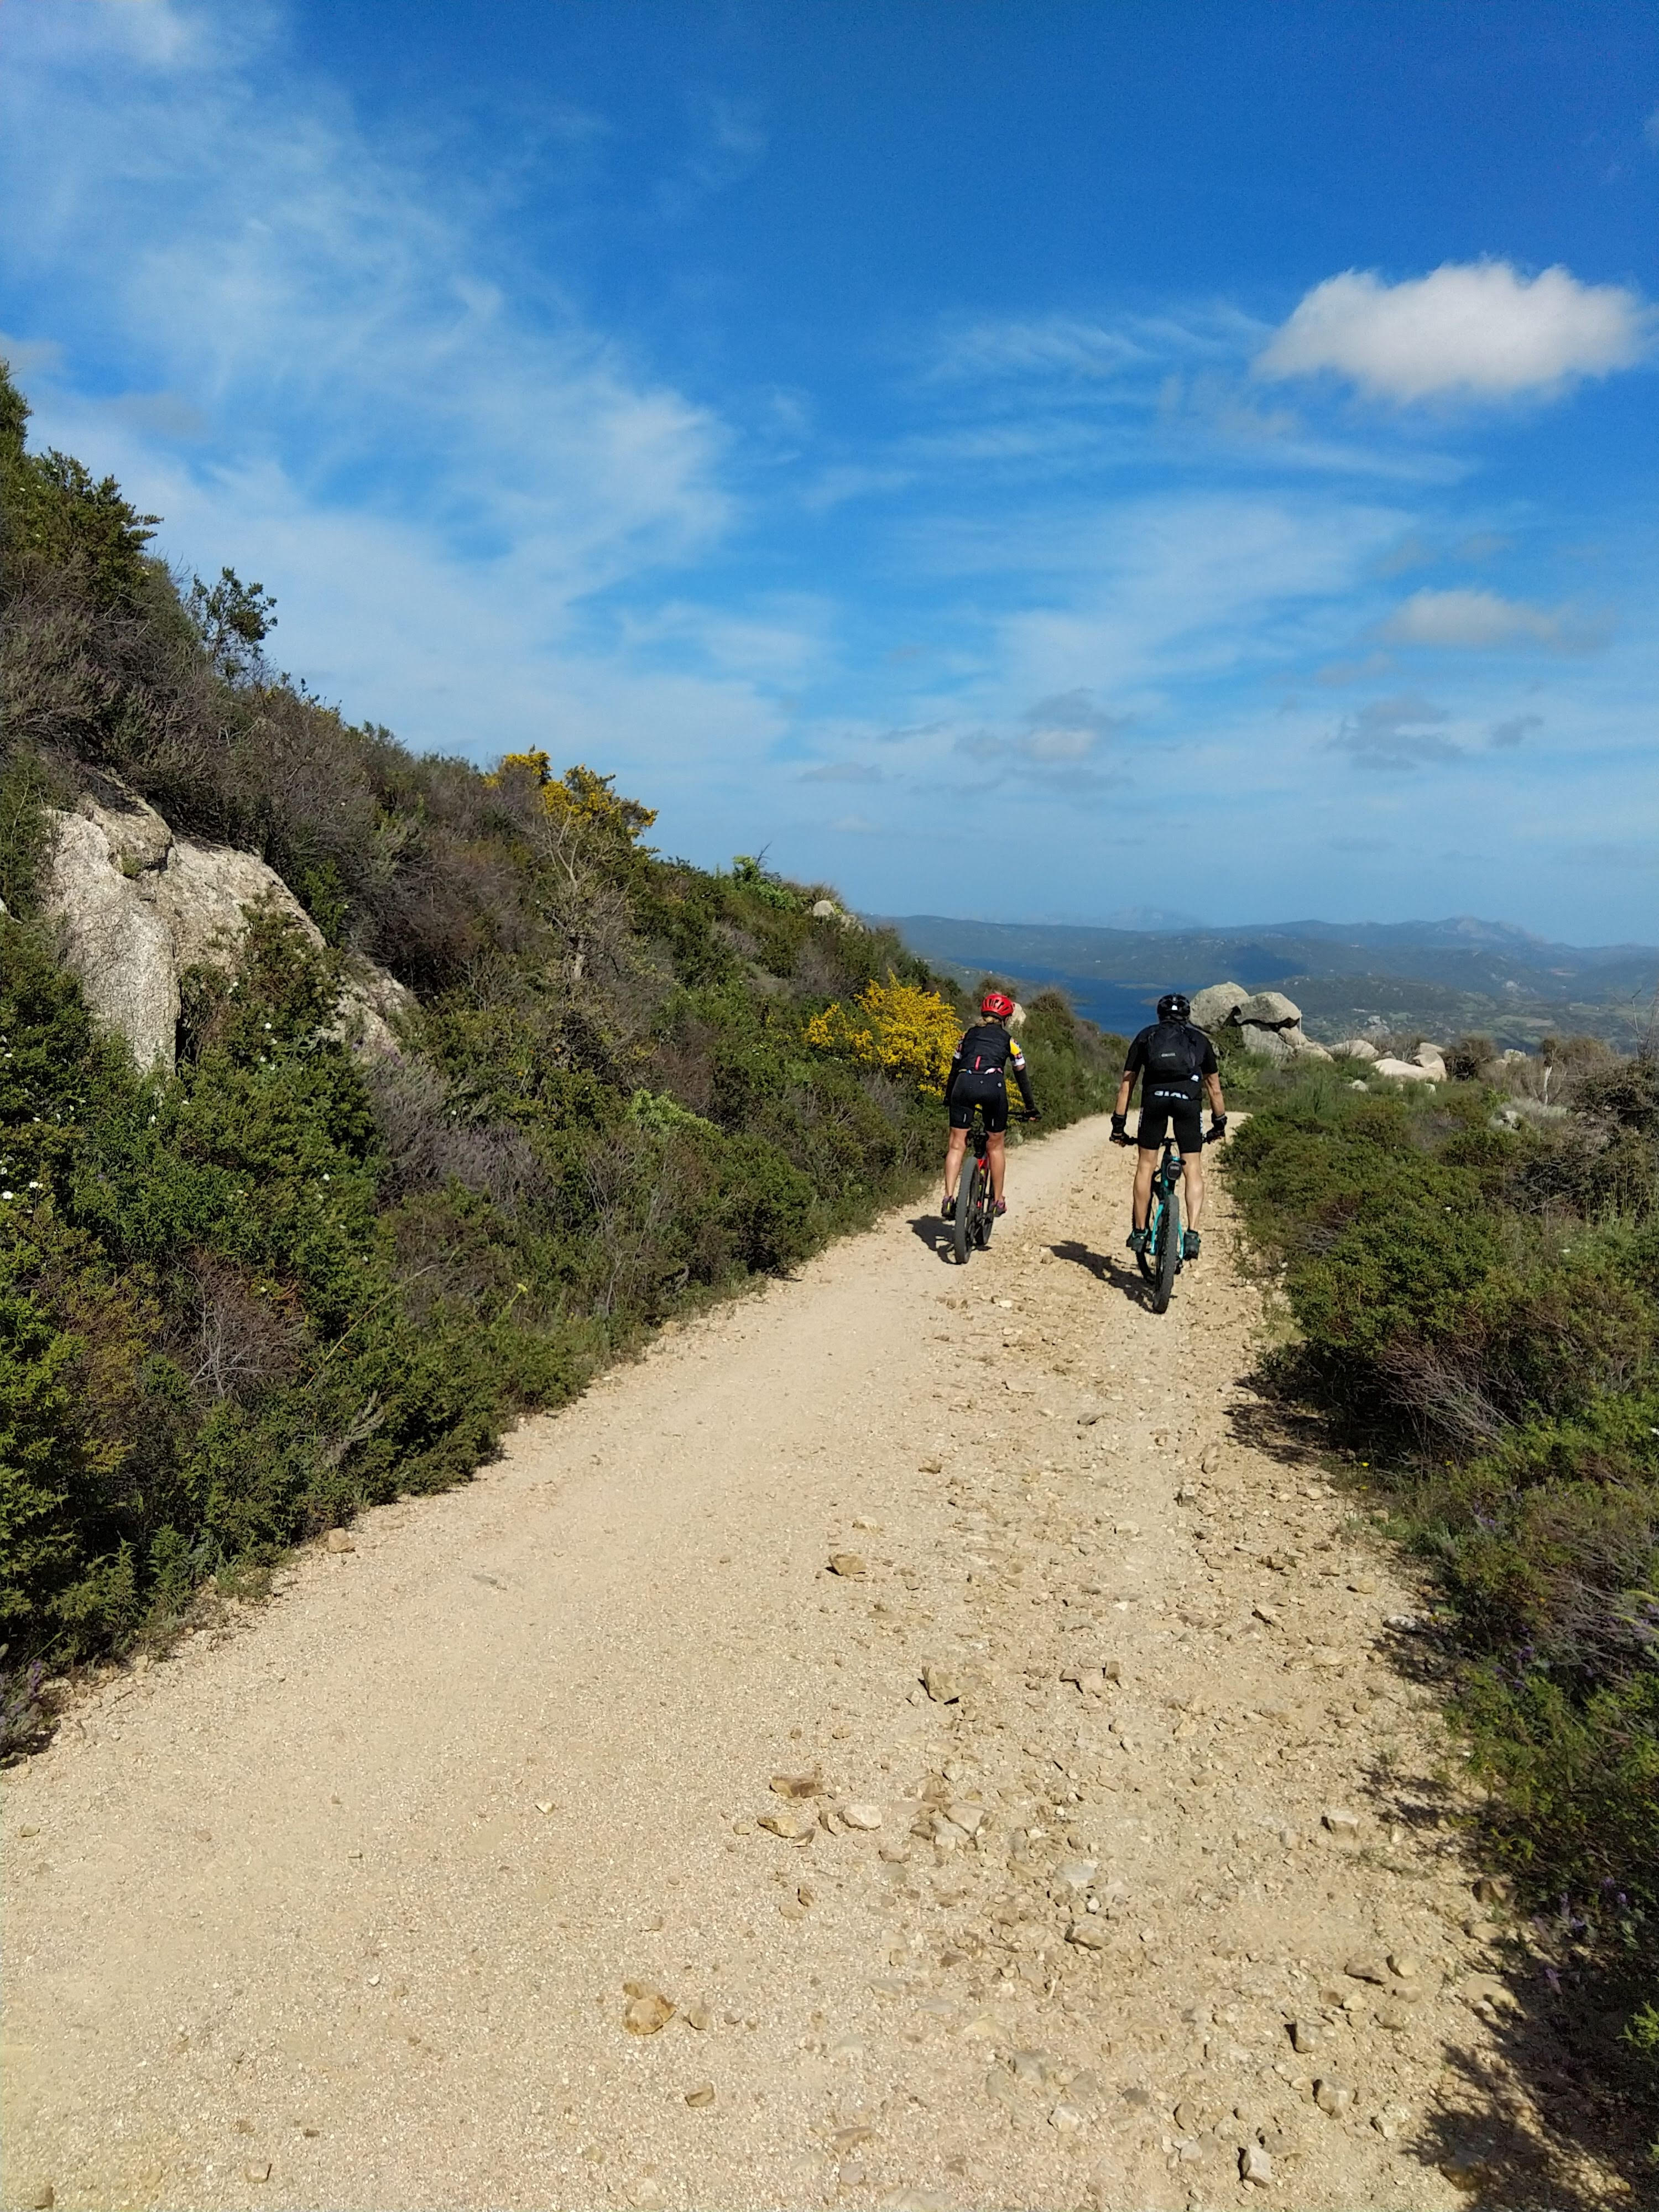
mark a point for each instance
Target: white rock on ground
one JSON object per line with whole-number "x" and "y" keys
{"x": 1407, "y": 1070}
{"x": 136, "y": 906}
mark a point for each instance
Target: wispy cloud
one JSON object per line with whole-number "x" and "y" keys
{"x": 1476, "y": 329}
{"x": 342, "y": 323}
{"x": 1514, "y": 731}
{"x": 844, "y": 772}
{"x": 1403, "y": 733}
{"x": 1088, "y": 347}
{"x": 729, "y": 142}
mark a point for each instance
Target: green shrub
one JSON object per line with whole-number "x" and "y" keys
{"x": 1478, "y": 1314}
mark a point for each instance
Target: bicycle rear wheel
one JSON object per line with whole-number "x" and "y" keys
{"x": 962, "y": 1226}
{"x": 1168, "y": 1252}
{"x": 984, "y": 1208}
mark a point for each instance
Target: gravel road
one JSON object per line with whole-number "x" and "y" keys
{"x": 1107, "y": 1863}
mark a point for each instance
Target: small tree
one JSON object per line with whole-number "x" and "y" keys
{"x": 233, "y": 620}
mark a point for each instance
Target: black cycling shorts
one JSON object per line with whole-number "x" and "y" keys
{"x": 1156, "y": 1115}
{"x": 995, "y": 1104}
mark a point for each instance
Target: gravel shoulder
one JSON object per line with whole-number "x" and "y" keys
{"x": 1084, "y": 1842}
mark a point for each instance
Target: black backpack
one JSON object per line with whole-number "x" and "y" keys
{"x": 1170, "y": 1057}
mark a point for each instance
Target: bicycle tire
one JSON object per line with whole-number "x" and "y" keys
{"x": 1169, "y": 1253}
{"x": 985, "y": 1212}
{"x": 961, "y": 1226}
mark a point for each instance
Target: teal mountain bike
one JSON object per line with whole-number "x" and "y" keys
{"x": 1161, "y": 1256}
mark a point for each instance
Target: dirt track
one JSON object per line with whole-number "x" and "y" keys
{"x": 336, "y": 1910}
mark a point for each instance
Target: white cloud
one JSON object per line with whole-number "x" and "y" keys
{"x": 1475, "y": 329}
{"x": 1055, "y": 742}
{"x": 1476, "y": 622}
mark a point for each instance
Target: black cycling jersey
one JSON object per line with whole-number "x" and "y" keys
{"x": 979, "y": 1068}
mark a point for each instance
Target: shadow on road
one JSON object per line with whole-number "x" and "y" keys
{"x": 936, "y": 1234}
{"x": 1117, "y": 1274}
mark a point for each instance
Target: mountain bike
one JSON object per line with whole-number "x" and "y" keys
{"x": 1160, "y": 1260}
{"x": 975, "y": 1207}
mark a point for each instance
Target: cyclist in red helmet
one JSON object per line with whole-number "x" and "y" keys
{"x": 979, "y": 1078}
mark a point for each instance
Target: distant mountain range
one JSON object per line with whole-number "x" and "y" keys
{"x": 1444, "y": 978}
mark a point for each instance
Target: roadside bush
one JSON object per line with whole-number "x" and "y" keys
{"x": 1478, "y": 1315}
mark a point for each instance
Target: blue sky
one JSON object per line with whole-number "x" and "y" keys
{"x": 1035, "y": 463}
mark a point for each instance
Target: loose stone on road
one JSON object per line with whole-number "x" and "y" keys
{"x": 915, "y": 1739}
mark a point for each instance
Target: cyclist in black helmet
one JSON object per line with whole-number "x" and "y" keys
{"x": 1177, "y": 1065}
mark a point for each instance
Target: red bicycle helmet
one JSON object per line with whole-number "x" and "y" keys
{"x": 998, "y": 1005}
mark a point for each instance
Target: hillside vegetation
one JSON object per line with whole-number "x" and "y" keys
{"x": 239, "y": 1302}
{"x": 1477, "y": 1311}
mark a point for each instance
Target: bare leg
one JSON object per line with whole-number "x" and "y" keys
{"x": 996, "y": 1158}
{"x": 1145, "y": 1163}
{"x": 1192, "y": 1170}
{"x": 953, "y": 1152}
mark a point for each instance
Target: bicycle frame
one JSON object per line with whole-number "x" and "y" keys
{"x": 1166, "y": 1174}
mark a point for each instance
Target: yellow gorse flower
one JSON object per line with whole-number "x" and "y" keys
{"x": 579, "y": 798}
{"x": 907, "y": 1032}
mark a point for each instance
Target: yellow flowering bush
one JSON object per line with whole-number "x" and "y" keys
{"x": 579, "y": 799}
{"x": 907, "y": 1032}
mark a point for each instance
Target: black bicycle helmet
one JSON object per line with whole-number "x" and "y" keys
{"x": 1174, "y": 1007}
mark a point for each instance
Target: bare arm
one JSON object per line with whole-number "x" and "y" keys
{"x": 1212, "y": 1086}
{"x": 1124, "y": 1090}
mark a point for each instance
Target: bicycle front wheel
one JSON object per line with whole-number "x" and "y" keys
{"x": 1168, "y": 1252}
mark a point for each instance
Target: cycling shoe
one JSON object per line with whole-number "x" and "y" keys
{"x": 1190, "y": 1243}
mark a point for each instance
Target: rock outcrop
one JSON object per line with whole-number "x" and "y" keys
{"x": 1268, "y": 1023}
{"x": 826, "y": 910}
{"x": 136, "y": 906}
{"x": 1213, "y": 1008}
